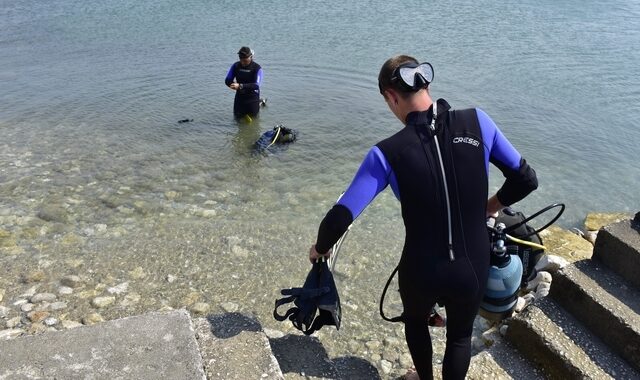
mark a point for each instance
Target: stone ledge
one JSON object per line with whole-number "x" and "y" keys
{"x": 543, "y": 342}
{"x": 150, "y": 346}
{"x": 600, "y": 300}
{"x": 233, "y": 346}
{"x": 618, "y": 247}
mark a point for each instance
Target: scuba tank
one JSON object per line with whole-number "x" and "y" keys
{"x": 516, "y": 248}
{"x": 505, "y": 275}
{"x": 529, "y": 254}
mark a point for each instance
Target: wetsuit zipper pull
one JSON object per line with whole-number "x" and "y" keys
{"x": 452, "y": 257}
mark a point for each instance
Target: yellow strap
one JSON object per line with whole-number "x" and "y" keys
{"x": 275, "y": 138}
{"x": 526, "y": 242}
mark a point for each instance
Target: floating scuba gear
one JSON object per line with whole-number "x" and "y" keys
{"x": 279, "y": 135}
{"x": 516, "y": 248}
{"x": 413, "y": 76}
{"x": 318, "y": 294}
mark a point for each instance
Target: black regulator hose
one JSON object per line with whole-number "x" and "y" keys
{"x": 513, "y": 227}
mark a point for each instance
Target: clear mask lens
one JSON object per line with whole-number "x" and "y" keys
{"x": 409, "y": 74}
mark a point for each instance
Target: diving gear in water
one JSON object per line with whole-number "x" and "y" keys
{"x": 279, "y": 135}
{"x": 318, "y": 295}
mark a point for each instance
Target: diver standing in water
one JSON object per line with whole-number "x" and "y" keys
{"x": 437, "y": 166}
{"x": 244, "y": 77}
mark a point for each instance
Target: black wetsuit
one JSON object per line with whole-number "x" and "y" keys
{"x": 441, "y": 180}
{"x": 247, "y": 100}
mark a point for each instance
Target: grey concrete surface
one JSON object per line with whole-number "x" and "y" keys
{"x": 504, "y": 359}
{"x": 233, "y": 346}
{"x": 542, "y": 341}
{"x": 618, "y": 247}
{"x": 604, "y": 302}
{"x": 599, "y": 351}
{"x": 150, "y": 346}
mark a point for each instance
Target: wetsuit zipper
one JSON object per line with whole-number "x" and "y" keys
{"x": 444, "y": 180}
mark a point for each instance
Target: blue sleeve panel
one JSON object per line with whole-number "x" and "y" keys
{"x": 496, "y": 147}
{"x": 520, "y": 179}
{"x": 230, "y": 75}
{"x": 373, "y": 176}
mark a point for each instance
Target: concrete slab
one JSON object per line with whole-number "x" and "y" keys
{"x": 544, "y": 342}
{"x": 502, "y": 361}
{"x": 604, "y": 302}
{"x": 233, "y": 346}
{"x": 150, "y": 346}
{"x": 618, "y": 247}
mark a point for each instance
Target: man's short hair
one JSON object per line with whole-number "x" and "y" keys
{"x": 386, "y": 71}
{"x": 245, "y": 52}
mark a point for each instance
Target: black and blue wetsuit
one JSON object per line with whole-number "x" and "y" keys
{"x": 247, "y": 100}
{"x": 440, "y": 175}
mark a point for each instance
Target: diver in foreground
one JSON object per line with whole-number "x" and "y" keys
{"x": 437, "y": 166}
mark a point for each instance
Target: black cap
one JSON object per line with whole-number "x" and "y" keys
{"x": 245, "y": 52}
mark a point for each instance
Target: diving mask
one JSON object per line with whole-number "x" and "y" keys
{"x": 413, "y": 76}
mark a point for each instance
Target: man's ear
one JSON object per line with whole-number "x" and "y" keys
{"x": 393, "y": 96}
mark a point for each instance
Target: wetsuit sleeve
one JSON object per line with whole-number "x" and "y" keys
{"x": 372, "y": 177}
{"x": 254, "y": 86}
{"x": 520, "y": 178}
{"x": 230, "y": 75}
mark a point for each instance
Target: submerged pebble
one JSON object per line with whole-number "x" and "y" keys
{"x": 10, "y": 333}
{"x": 71, "y": 281}
{"x": 43, "y": 297}
{"x": 92, "y": 319}
{"x": 102, "y": 302}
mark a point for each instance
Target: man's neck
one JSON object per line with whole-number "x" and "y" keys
{"x": 421, "y": 101}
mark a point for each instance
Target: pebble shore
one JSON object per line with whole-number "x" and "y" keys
{"x": 62, "y": 275}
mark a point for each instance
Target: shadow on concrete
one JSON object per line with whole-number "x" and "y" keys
{"x": 306, "y": 355}
{"x": 353, "y": 367}
{"x": 228, "y": 325}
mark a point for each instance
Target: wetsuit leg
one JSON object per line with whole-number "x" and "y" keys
{"x": 416, "y": 331}
{"x": 457, "y": 355}
{"x": 253, "y": 106}
{"x": 457, "y": 286}
{"x": 246, "y": 105}
{"x": 462, "y": 307}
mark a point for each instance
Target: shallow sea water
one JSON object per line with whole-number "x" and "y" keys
{"x": 98, "y": 179}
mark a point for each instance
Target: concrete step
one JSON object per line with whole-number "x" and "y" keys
{"x": 150, "y": 346}
{"x": 618, "y": 247}
{"x": 502, "y": 361}
{"x": 233, "y": 346}
{"x": 562, "y": 347}
{"x": 604, "y": 302}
